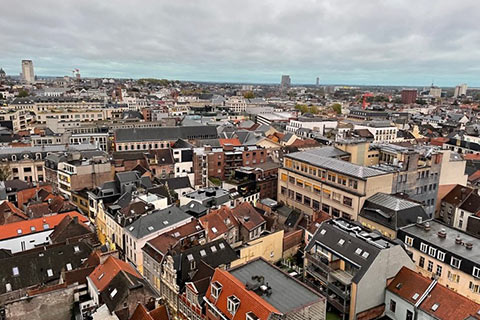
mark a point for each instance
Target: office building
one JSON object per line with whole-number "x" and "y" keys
{"x": 285, "y": 83}
{"x": 409, "y": 96}
{"x": 460, "y": 90}
{"x": 28, "y": 76}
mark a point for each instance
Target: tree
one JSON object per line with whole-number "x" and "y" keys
{"x": 23, "y": 93}
{"x": 249, "y": 95}
{"x": 5, "y": 172}
{"x": 337, "y": 107}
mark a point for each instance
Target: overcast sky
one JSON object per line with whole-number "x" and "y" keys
{"x": 403, "y": 42}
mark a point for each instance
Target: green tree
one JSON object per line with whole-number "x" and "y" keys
{"x": 5, "y": 172}
{"x": 337, "y": 107}
{"x": 23, "y": 93}
{"x": 249, "y": 95}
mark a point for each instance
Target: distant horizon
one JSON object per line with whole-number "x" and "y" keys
{"x": 293, "y": 84}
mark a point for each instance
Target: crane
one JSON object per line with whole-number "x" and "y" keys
{"x": 365, "y": 95}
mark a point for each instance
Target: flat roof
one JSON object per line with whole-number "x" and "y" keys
{"x": 287, "y": 293}
{"x": 311, "y": 156}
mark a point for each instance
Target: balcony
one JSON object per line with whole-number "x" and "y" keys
{"x": 320, "y": 262}
{"x": 338, "y": 304}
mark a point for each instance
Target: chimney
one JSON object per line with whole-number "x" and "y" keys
{"x": 442, "y": 233}
{"x": 419, "y": 220}
{"x": 469, "y": 245}
{"x": 427, "y": 226}
{"x": 458, "y": 240}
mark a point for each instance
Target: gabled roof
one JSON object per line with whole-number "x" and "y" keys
{"x": 218, "y": 222}
{"x": 177, "y": 183}
{"x": 472, "y": 203}
{"x": 69, "y": 227}
{"x": 248, "y": 216}
{"x": 413, "y": 287}
{"x": 29, "y": 268}
{"x": 7, "y": 208}
{"x": 105, "y": 272}
{"x": 141, "y": 313}
{"x": 11, "y": 230}
{"x": 457, "y": 195}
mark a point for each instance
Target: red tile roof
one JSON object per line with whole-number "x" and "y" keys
{"x": 248, "y": 216}
{"x": 233, "y": 142}
{"x": 23, "y": 196}
{"x": 250, "y": 301}
{"x": 105, "y": 272}
{"x": 221, "y": 219}
{"x": 36, "y": 225}
{"x": 141, "y": 313}
{"x": 7, "y": 207}
{"x": 450, "y": 305}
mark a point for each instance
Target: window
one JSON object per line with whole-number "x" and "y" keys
{"x": 476, "y": 272}
{"x": 432, "y": 252}
{"x": 409, "y": 241}
{"x": 393, "y": 305}
{"x": 341, "y": 242}
{"x": 453, "y": 277}
{"x": 215, "y": 289}
{"x": 423, "y": 247}
{"x": 441, "y": 255}
{"x": 232, "y": 304}
{"x": 454, "y": 262}
{"x": 439, "y": 271}
{"x": 49, "y": 272}
{"x": 15, "y": 271}
{"x": 475, "y": 288}
{"x": 251, "y": 316}
{"x": 409, "y": 315}
{"x": 421, "y": 262}
{"x": 430, "y": 266}
{"x": 347, "y": 201}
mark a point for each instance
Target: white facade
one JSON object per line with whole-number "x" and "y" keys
{"x": 26, "y": 242}
{"x": 236, "y": 104}
{"x": 318, "y": 126}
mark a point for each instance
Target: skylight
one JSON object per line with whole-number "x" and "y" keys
{"x": 358, "y": 251}
{"x": 50, "y": 272}
{"x": 341, "y": 242}
{"x": 46, "y": 226}
{"x": 131, "y": 228}
{"x": 190, "y": 257}
{"x": 32, "y": 229}
{"x": 69, "y": 266}
{"x": 76, "y": 249}
{"x": 150, "y": 228}
{"x": 19, "y": 231}
{"x": 203, "y": 253}
{"x": 113, "y": 293}
{"x": 415, "y": 296}
{"x": 435, "y": 307}
{"x": 165, "y": 222}
{"x": 323, "y": 232}
{"x": 365, "y": 254}
{"x": 221, "y": 245}
{"x": 101, "y": 276}
{"x": 15, "y": 271}
{"x": 213, "y": 248}
{"x": 214, "y": 230}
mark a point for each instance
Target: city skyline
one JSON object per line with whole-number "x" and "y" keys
{"x": 341, "y": 42}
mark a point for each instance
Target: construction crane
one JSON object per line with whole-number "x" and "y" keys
{"x": 365, "y": 96}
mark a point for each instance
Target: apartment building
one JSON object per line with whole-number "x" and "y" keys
{"x": 27, "y": 163}
{"x": 450, "y": 255}
{"x": 350, "y": 265}
{"x": 381, "y": 131}
{"x": 19, "y": 118}
{"x": 236, "y": 104}
{"x": 311, "y": 181}
{"x": 457, "y": 206}
{"x": 316, "y": 124}
{"x": 258, "y": 290}
{"x": 148, "y": 227}
{"x": 416, "y": 172}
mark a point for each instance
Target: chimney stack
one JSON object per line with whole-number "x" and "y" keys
{"x": 442, "y": 233}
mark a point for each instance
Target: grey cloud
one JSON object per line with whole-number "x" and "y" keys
{"x": 375, "y": 41}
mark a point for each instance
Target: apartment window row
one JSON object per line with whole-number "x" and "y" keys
{"x": 322, "y": 174}
{"x": 425, "y": 188}
{"x": 430, "y": 266}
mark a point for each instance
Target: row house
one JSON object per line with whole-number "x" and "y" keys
{"x": 450, "y": 255}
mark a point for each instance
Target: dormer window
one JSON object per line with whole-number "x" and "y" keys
{"x": 232, "y": 304}
{"x": 215, "y": 289}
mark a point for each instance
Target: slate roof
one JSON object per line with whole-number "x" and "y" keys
{"x": 33, "y": 265}
{"x": 157, "y": 220}
{"x": 331, "y": 232}
{"x": 472, "y": 203}
{"x": 176, "y": 183}
{"x": 214, "y": 254}
{"x": 391, "y": 211}
{"x": 165, "y": 133}
{"x": 310, "y": 156}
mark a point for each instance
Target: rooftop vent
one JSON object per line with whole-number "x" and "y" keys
{"x": 469, "y": 245}
{"x": 427, "y": 226}
{"x": 458, "y": 240}
{"x": 442, "y": 233}
{"x": 419, "y": 220}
